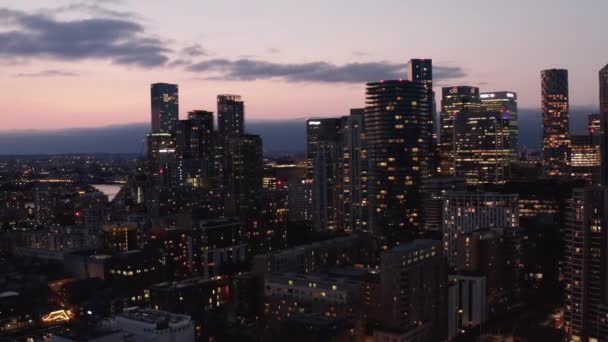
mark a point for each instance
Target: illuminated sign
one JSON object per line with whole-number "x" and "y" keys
{"x": 454, "y": 90}
{"x": 314, "y": 123}
{"x": 57, "y": 316}
{"x": 510, "y": 95}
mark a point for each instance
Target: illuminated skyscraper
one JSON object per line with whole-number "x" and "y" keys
{"x": 165, "y": 107}
{"x": 455, "y": 100}
{"x": 504, "y": 102}
{"x": 586, "y": 236}
{"x": 398, "y": 145}
{"x": 603, "y": 75}
{"x": 556, "y": 123}
{"x": 483, "y": 146}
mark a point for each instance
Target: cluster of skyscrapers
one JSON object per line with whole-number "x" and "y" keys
{"x": 225, "y": 162}
{"x": 398, "y": 170}
{"x": 402, "y": 222}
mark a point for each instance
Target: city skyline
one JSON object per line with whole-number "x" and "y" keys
{"x": 322, "y": 72}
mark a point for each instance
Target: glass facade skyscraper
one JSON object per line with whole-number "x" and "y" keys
{"x": 455, "y": 100}
{"x": 482, "y": 146}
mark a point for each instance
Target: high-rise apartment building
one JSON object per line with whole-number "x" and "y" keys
{"x": 586, "y": 239}
{"x": 337, "y": 172}
{"x": 353, "y": 194}
{"x": 324, "y": 149}
{"x": 165, "y": 107}
{"x": 455, "y": 101}
{"x": 398, "y": 152}
{"x": 556, "y": 123}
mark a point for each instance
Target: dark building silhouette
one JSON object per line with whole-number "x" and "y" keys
{"x": 244, "y": 172}
{"x": 195, "y": 149}
{"x": 230, "y": 122}
{"x": 556, "y": 123}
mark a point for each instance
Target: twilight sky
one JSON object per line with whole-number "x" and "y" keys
{"x": 90, "y": 63}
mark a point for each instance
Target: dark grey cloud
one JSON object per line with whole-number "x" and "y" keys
{"x": 194, "y": 50}
{"x": 48, "y": 73}
{"x": 119, "y": 40}
{"x": 250, "y": 69}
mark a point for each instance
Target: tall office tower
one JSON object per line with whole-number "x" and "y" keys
{"x": 398, "y": 152}
{"x": 467, "y": 212}
{"x": 455, "y": 101}
{"x": 244, "y": 173}
{"x": 603, "y": 75}
{"x": 230, "y": 122}
{"x": 432, "y": 191}
{"x": 586, "y": 239}
{"x": 413, "y": 286}
{"x": 482, "y": 144}
{"x": 165, "y": 107}
{"x": 504, "y": 102}
{"x": 585, "y": 159}
{"x": 421, "y": 70}
{"x": 324, "y": 145}
{"x": 556, "y": 124}
{"x": 353, "y": 210}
